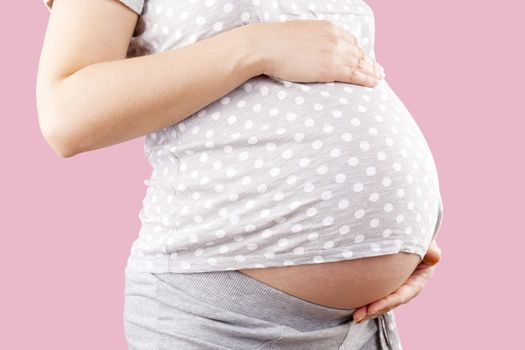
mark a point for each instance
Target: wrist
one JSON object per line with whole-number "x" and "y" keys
{"x": 253, "y": 56}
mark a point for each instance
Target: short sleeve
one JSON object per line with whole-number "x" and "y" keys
{"x": 135, "y": 5}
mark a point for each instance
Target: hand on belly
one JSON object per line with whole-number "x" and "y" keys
{"x": 345, "y": 284}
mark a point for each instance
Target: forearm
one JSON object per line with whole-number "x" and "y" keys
{"x": 111, "y": 102}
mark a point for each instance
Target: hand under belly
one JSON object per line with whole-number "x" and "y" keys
{"x": 345, "y": 284}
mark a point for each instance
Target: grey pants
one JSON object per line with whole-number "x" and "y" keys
{"x": 231, "y": 310}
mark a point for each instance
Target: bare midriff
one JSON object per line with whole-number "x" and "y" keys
{"x": 345, "y": 284}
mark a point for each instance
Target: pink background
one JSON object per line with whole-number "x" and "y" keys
{"x": 67, "y": 224}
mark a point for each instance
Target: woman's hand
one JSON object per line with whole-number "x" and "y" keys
{"x": 314, "y": 51}
{"x": 408, "y": 290}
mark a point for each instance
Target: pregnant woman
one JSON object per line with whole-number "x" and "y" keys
{"x": 291, "y": 190}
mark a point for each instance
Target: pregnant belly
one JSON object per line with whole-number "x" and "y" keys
{"x": 360, "y": 281}
{"x": 343, "y": 284}
{"x": 326, "y": 191}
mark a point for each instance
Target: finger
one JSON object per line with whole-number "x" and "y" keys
{"x": 359, "y": 313}
{"x": 347, "y": 36}
{"x": 365, "y": 64}
{"x": 400, "y": 296}
{"x": 369, "y": 63}
{"x": 385, "y": 310}
{"x": 380, "y": 305}
{"x": 353, "y": 42}
{"x": 374, "y": 67}
{"x": 355, "y": 76}
{"x": 404, "y": 294}
{"x": 375, "y": 315}
{"x": 433, "y": 255}
{"x": 351, "y": 56}
{"x": 419, "y": 277}
{"x": 410, "y": 289}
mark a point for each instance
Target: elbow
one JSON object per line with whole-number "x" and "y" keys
{"x": 57, "y": 140}
{"x": 56, "y": 136}
{"x": 52, "y": 129}
{"x": 60, "y": 147}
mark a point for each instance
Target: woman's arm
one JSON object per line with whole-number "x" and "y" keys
{"x": 90, "y": 96}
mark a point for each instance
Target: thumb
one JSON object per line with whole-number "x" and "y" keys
{"x": 433, "y": 255}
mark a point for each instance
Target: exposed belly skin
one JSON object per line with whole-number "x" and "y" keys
{"x": 343, "y": 284}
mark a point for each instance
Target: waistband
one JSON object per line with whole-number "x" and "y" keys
{"x": 244, "y": 294}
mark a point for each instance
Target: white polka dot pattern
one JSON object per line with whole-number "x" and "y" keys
{"x": 280, "y": 173}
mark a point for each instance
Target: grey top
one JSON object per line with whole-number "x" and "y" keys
{"x": 276, "y": 172}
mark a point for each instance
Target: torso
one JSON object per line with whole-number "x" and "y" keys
{"x": 325, "y": 191}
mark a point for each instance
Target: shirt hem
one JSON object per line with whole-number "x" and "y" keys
{"x": 170, "y": 263}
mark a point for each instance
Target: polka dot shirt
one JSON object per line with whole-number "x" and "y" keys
{"x": 275, "y": 172}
